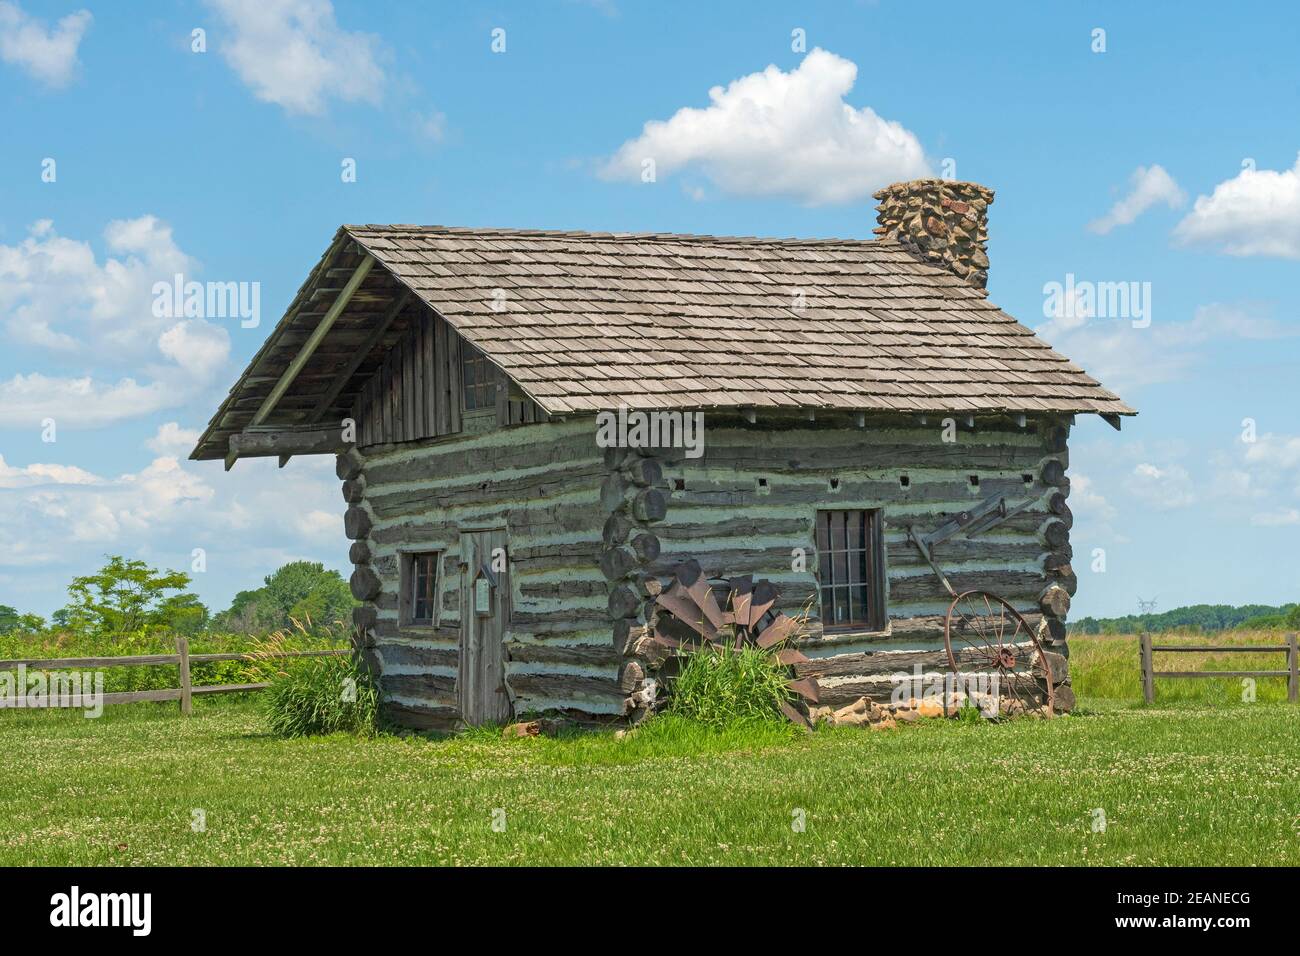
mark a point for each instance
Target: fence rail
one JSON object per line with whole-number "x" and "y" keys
{"x": 183, "y": 660}
{"x": 1149, "y": 673}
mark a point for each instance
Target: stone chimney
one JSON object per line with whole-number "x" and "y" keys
{"x": 939, "y": 221}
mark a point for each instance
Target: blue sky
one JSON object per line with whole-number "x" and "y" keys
{"x": 1169, "y": 158}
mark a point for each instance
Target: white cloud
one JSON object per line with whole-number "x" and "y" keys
{"x": 98, "y": 316}
{"x": 294, "y": 54}
{"x": 1276, "y": 519}
{"x": 1164, "y": 488}
{"x": 1275, "y": 453}
{"x": 43, "y": 474}
{"x": 1264, "y": 470}
{"x": 49, "y": 283}
{"x": 780, "y": 134}
{"x": 50, "y": 512}
{"x": 431, "y": 126}
{"x": 105, "y": 510}
{"x": 198, "y": 347}
{"x": 1123, "y": 357}
{"x": 27, "y": 400}
{"x": 1149, "y": 185}
{"x": 171, "y": 439}
{"x": 1256, "y": 213}
{"x": 1086, "y": 500}
{"x": 47, "y": 53}
{"x": 320, "y": 525}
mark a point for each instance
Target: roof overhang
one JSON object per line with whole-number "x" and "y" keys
{"x": 372, "y": 281}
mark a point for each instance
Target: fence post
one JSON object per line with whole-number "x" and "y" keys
{"x": 1293, "y": 665}
{"x": 1148, "y": 682}
{"x": 183, "y": 649}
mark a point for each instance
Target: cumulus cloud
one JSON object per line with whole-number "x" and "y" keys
{"x": 28, "y": 400}
{"x": 1275, "y": 453}
{"x": 1095, "y": 515}
{"x": 1163, "y": 487}
{"x": 47, "y": 53}
{"x": 780, "y": 134}
{"x": 1148, "y": 186}
{"x": 1123, "y": 357}
{"x": 198, "y": 347}
{"x": 57, "y": 520}
{"x": 172, "y": 439}
{"x": 294, "y": 54}
{"x": 1085, "y": 499}
{"x": 1256, "y": 213}
{"x": 1263, "y": 474}
{"x": 43, "y": 474}
{"x": 97, "y": 316}
{"x": 50, "y": 284}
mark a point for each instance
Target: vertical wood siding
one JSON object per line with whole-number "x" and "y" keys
{"x": 415, "y": 393}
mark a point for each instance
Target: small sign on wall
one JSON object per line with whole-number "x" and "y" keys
{"x": 485, "y": 583}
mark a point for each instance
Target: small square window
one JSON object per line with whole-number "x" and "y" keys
{"x": 420, "y": 588}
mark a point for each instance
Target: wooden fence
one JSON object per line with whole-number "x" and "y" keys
{"x": 1149, "y": 673}
{"x": 183, "y": 659}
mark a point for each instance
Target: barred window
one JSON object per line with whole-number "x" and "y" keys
{"x": 850, "y": 553}
{"x": 420, "y": 587}
{"x": 478, "y": 376}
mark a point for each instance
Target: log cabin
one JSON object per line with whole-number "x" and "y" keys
{"x": 875, "y": 436}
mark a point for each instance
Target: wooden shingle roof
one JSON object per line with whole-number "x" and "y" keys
{"x": 585, "y": 322}
{"x": 590, "y": 321}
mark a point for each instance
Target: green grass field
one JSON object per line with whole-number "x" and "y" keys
{"x": 1200, "y": 780}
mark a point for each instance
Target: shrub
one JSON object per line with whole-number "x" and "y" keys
{"x": 721, "y": 686}
{"x": 320, "y": 695}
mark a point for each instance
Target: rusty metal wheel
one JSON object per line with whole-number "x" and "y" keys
{"x": 995, "y": 656}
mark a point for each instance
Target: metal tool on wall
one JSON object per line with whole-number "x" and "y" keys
{"x": 988, "y": 514}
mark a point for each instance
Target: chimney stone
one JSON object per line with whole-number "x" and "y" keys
{"x": 939, "y": 221}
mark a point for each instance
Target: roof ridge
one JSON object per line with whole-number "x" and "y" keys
{"x": 398, "y": 228}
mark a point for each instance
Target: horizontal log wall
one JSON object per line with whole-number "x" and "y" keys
{"x": 591, "y": 529}
{"x": 750, "y": 501}
{"x": 753, "y": 495}
{"x": 542, "y": 483}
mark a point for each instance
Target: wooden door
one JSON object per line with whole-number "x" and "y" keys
{"x": 484, "y": 612}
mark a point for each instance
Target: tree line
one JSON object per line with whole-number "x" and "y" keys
{"x": 1197, "y": 617}
{"x": 128, "y": 596}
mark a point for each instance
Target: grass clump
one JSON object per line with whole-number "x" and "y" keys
{"x": 307, "y": 696}
{"x": 723, "y": 686}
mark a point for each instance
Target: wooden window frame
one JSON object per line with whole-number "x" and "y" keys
{"x": 859, "y": 558}
{"x": 478, "y": 379}
{"x": 410, "y": 581}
